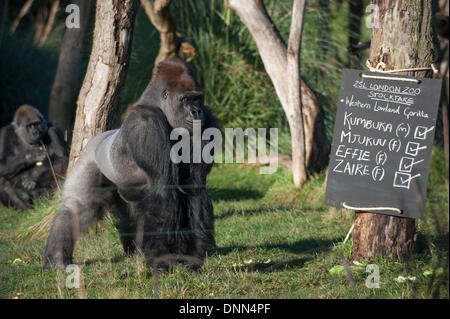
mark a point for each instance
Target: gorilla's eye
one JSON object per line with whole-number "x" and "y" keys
{"x": 34, "y": 125}
{"x": 164, "y": 94}
{"x": 184, "y": 99}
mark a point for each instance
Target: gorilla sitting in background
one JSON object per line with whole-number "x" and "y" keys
{"x": 164, "y": 208}
{"x": 26, "y": 145}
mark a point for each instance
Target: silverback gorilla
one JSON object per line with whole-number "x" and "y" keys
{"x": 164, "y": 208}
{"x": 25, "y": 171}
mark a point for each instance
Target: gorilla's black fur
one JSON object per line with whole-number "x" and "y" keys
{"x": 25, "y": 172}
{"x": 164, "y": 208}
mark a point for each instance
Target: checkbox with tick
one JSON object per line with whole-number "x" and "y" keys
{"x": 421, "y": 132}
{"x": 413, "y": 148}
{"x": 407, "y": 163}
{"x": 403, "y": 180}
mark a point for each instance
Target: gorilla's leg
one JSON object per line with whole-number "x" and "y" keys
{"x": 9, "y": 196}
{"x": 127, "y": 225}
{"x": 158, "y": 226}
{"x": 201, "y": 222}
{"x": 86, "y": 191}
{"x": 72, "y": 218}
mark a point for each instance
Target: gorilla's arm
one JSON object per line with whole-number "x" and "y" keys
{"x": 199, "y": 171}
{"x": 147, "y": 133}
{"x": 12, "y": 159}
{"x": 138, "y": 154}
{"x": 58, "y": 145}
{"x": 199, "y": 204}
{"x": 58, "y": 152}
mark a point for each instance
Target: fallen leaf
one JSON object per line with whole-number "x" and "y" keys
{"x": 337, "y": 270}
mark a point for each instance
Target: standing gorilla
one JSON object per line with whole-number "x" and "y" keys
{"x": 25, "y": 171}
{"x": 164, "y": 208}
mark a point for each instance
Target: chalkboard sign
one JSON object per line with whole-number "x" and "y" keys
{"x": 383, "y": 137}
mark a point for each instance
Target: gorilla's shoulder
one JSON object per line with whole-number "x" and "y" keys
{"x": 8, "y": 133}
{"x": 7, "y": 128}
{"x": 211, "y": 120}
{"x": 8, "y": 138}
{"x": 146, "y": 114}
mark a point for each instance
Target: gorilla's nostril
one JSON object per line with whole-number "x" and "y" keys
{"x": 196, "y": 113}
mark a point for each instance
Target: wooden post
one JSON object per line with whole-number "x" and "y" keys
{"x": 403, "y": 36}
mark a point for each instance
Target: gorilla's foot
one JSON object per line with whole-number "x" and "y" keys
{"x": 55, "y": 260}
{"x": 165, "y": 262}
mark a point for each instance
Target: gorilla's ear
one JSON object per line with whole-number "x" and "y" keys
{"x": 164, "y": 94}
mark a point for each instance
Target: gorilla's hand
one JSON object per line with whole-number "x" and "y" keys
{"x": 29, "y": 184}
{"x": 35, "y": 155}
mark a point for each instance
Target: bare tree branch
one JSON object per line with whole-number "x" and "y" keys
{"x": 50, "y": 22}
{"x": 172, "y": 43}
{"x": 23, "y": 12}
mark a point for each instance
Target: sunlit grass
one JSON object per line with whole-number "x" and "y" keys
{"x": 273, "y": 241}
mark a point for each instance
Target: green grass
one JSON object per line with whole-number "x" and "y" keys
{"x": 273, "y": 241}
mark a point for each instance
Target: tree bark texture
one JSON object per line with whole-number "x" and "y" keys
{"x": 99, "y": 96}
{"x": 308, "y": 137}
{"x": 295, "y": 112}
{"x": 63, "y": 97}
{"x": 402, "y": 37}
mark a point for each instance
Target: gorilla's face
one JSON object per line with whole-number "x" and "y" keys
{"x": 35, "y": 131}
{"x": 182, "y": 108}
{"x": 31, "y": 126}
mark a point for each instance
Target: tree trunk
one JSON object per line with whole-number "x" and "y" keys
{"x": 391, "y": 236}
{"x": 99, "y": 96}
{"x": 62, "y": 104}
{"x": 403, "y": 37}
{"x": 304, "y": 118}
{"x": 295, "y": 113}
{"x": 171, "y": 42}
{"x": 159, "y": 14}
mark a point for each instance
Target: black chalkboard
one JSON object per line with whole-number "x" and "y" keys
{"x": 382, "y": 143}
